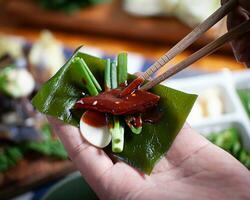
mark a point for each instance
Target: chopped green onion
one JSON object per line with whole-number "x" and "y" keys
{"x": 117, "y": 136}
{"x": 90, "y": 86}
{"x": 122, "y": 68}
{"x": 97, "y": 85}
{"x": 122, "y": 75}
{"x": 107, "y": 76}
{"x": 115, "y": 127}
{"x": 136, "y": 130}
{"x": 129, "y": 120}
{"x": 118, "y": 147}
{"x": 113, "y": 75}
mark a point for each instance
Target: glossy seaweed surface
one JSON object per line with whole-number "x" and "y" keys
{"x": 58, "y": 96}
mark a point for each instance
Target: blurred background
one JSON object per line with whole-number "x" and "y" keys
{"x": 36, "y": 38}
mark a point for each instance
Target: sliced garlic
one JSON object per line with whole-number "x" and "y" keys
{"x": 97, "y": 136}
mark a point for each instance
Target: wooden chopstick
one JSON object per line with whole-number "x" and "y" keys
{"x": 190, "y": 38}
{"x": 182, "y": 45}
{"x": 208, "y": 49}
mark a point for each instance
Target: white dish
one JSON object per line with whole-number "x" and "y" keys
{"x": 227, "y": 82}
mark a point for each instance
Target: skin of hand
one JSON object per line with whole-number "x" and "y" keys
{"x": 241, "y": 46}
{"x": 193, "y": 168}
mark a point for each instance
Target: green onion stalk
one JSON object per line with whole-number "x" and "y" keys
{"x": 131, "y": 121}
{"x": 122, "y": 78}
{"x": 90, "y": 81}
{"x": 112, "y": 79}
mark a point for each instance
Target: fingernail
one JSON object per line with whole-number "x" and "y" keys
{"x": 247, "y": 64}
{"x": 186, "y": 125}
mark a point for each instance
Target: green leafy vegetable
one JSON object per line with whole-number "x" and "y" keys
{"x": 11, "y": 155}
{"x": 230, "y": 141}
{"x": 52, "y": 148}
{"x": 4, "y": 81}
{"x": 49, "y": 146}
{"x": 244, "y": 95}
{"x": 3, "y": 162}
{"x": 68, "y": 5}
{"x": 14, "y": 155}
{"x": 244, "y": 158}
{"x": 58, "y": 96}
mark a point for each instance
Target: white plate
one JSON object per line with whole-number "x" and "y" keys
{"x": 227, "y": 82}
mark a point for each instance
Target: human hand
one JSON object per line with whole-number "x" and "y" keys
{"x": 193, "y": 168}
{"x": 241, "y": 46}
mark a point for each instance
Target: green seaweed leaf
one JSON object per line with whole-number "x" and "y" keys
{"x": 58, "y": 96}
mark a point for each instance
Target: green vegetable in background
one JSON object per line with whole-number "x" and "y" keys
{"x": 227, "y": 139}
{"x": 4, "y": 80}
{"x": 244, "y": 95}
{"x": 49, "y": 146}
{"x": 230, "y": 141}
{"x": 58, "y": 96}
{"x": 14, "y": 154}
{"x": 3, "y": 162}
{"x": 11, "y": 155}
{"x": 52, "y": 148}
{"x": 244, "y": 158}
{"x": 68, "y": 5}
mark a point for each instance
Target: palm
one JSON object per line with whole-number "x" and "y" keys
{"x": 192, "y": 169}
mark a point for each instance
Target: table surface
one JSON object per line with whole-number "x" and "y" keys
{"x": 112, "y": 45}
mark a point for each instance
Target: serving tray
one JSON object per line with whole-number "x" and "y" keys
{"x": 107, "y": 19}
{"x": 138, "y": 63}
{"x": 228, "y": 83}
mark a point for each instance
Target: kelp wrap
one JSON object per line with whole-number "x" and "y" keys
{"x": 58, "y": 96}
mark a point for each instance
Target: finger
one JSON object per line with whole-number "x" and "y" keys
{"x": 247, "y": 63}
{"x": 240, "y": 46}
{"x": 91, "y": 162}
{"x": 245, "y": 4}
{"x": 187, "y": 142}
